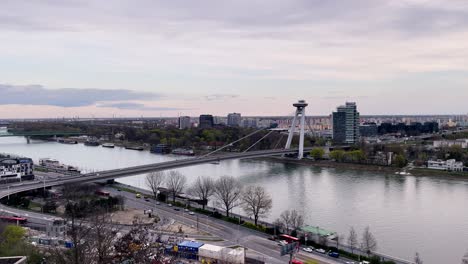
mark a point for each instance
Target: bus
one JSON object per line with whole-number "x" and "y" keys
{"x": 289, "y": 239}
{"x": 102, "y": 193}
{"x": 13, "y": 219}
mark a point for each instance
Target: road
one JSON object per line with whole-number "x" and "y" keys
{"x": 257, "y": 243}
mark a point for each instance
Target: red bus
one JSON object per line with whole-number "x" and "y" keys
{"x": 103, "y": 193}
{"x": 289, "y": 239}
{"x": 14, "y": 219}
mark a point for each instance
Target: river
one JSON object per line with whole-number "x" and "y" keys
{"x": 405, "y": 213}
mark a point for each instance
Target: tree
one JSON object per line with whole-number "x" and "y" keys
{"x": 176, "y": 183}
{"x": 291, "y": 220}
{"x": 338, "y": 239}
{"x": 417, "y": 259}
{"x": 297, "y": 220}
{"x": 257, "y": 202}
{"x": 352, "y": 239}
{"x": 154, "y": 181}
{"x": 400, "y": 161}
{"x": 134, "y": 246}
{"x": 285, "y": 219}
{"x": 337, "y": 155}
{"x": 368, "y": 243}
{"x": 203, "y": 188}
{"x": 228, "y": 191}
{"x": 317, "y": 153}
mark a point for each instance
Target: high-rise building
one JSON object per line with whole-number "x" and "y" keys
{"x": 234, "y": 119}
{"x": 206, "y": 121}
{"x": 184, "y": 122}
{"x": 346, "y": 124}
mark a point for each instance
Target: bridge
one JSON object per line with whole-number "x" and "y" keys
{"x": 40, "y": 133}
{"x": 141, "y": 169}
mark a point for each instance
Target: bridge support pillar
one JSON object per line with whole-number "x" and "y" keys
{"x": 299, "y": 116}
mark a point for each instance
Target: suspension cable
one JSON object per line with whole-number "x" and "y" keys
{"x": 279, "y": 141}
{"x": 232, "y": 143}
{"x": 258, "y": 141}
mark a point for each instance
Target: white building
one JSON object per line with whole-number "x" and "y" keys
{"x": 463, "y": 143}
{"x": 447, "y": 165}
{"x": 211, "y": 253}
{"x": 234, "y": 119}
{"x": 184, "y": 122}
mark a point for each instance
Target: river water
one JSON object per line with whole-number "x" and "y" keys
{"x": 405, "y": 213}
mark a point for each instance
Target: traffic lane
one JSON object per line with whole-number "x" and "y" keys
{"x": 269, "y": 249}
{"x": 204, "y": 222}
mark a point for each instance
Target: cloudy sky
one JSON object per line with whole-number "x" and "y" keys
{"x": 161, "y": 58}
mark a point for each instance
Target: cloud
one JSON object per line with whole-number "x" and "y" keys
{"x": 138, "y": 106}
{"x": 67, "y": 97}
{"x": 218, "y": 97}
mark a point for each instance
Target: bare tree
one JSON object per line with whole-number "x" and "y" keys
{"x": 228, "y": 191}
{"x": 101, "y": 238}
{"x": 291, "y": 220}
{"x": 352, "y": 239}
{"x": 203, "y": 188}
{"x": 285, "y": 219}
{"x": 257, "y": 202}
{"x": 176, "y": 183}
{"x": 154, "y": 181}
{"x": 417, "y": 259}
{"x": 465, "y": 258}
{"x": 297, "y": 220}
{"x": 368, "y": 243}
{"x": 338, "y": 239}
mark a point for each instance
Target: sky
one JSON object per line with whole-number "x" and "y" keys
{"x": 167, "y": 58}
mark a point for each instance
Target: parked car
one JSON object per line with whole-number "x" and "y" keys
{"x": 321, "y": 251}
{"x": 138, "y": 195}
{"x": 334, "y": 254}
{"x": 186, "y": 210}
{"x": 177, "y": 209}
{"x": 191, "y": 213}
{"x": 170, "y": 205}
{"x": 158, "y": 203}
{"x": 307, "y": 249}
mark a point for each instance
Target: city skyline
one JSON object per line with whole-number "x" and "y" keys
{"x": 168, "y": 58}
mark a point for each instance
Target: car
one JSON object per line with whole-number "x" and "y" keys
{"x": 307, "y": 249}
{"x": 177, "y": 209}
{"x": 147, "y": 199}
{"x": 334, "y": 254}
{"x": 364, "y": 262}
{"x": 282, "y": 243}
{"x": 321, "y": 251}
{"x": 138, "y": 195}
{"x": 191, "y": 213}
{"x": 170, "y": 205}
{"x": 186, "y": 210}
{"x": 158, "y": 203}
{"x": 350, "y": 262}
{"x": 119, "y": 190}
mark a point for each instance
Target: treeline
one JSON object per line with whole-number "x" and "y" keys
{"x": 152, "y": 134}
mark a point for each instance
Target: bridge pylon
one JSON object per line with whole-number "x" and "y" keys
{"x": 299, "y": 116}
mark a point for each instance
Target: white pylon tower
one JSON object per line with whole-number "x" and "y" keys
{"x": 300, "y": 113}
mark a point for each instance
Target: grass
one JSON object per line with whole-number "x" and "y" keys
{"x": 34, "y": 206}
{"x": 430, "y": 172}
{"x": 124, "y": 189}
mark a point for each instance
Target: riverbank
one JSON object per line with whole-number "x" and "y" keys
{"x": 333, "y": 164}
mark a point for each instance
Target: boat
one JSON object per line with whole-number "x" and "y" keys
{"x": 56, "y": 165}
{"x": 91, "y": 143}
{"x": 67, "y": 141}
{"x": 161, "y": 149}
{"x": 108, "y": 145}
{"x": 402, "y": 173}
{"x": 140, "y": 148}
{"x": 183, "y": 151}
